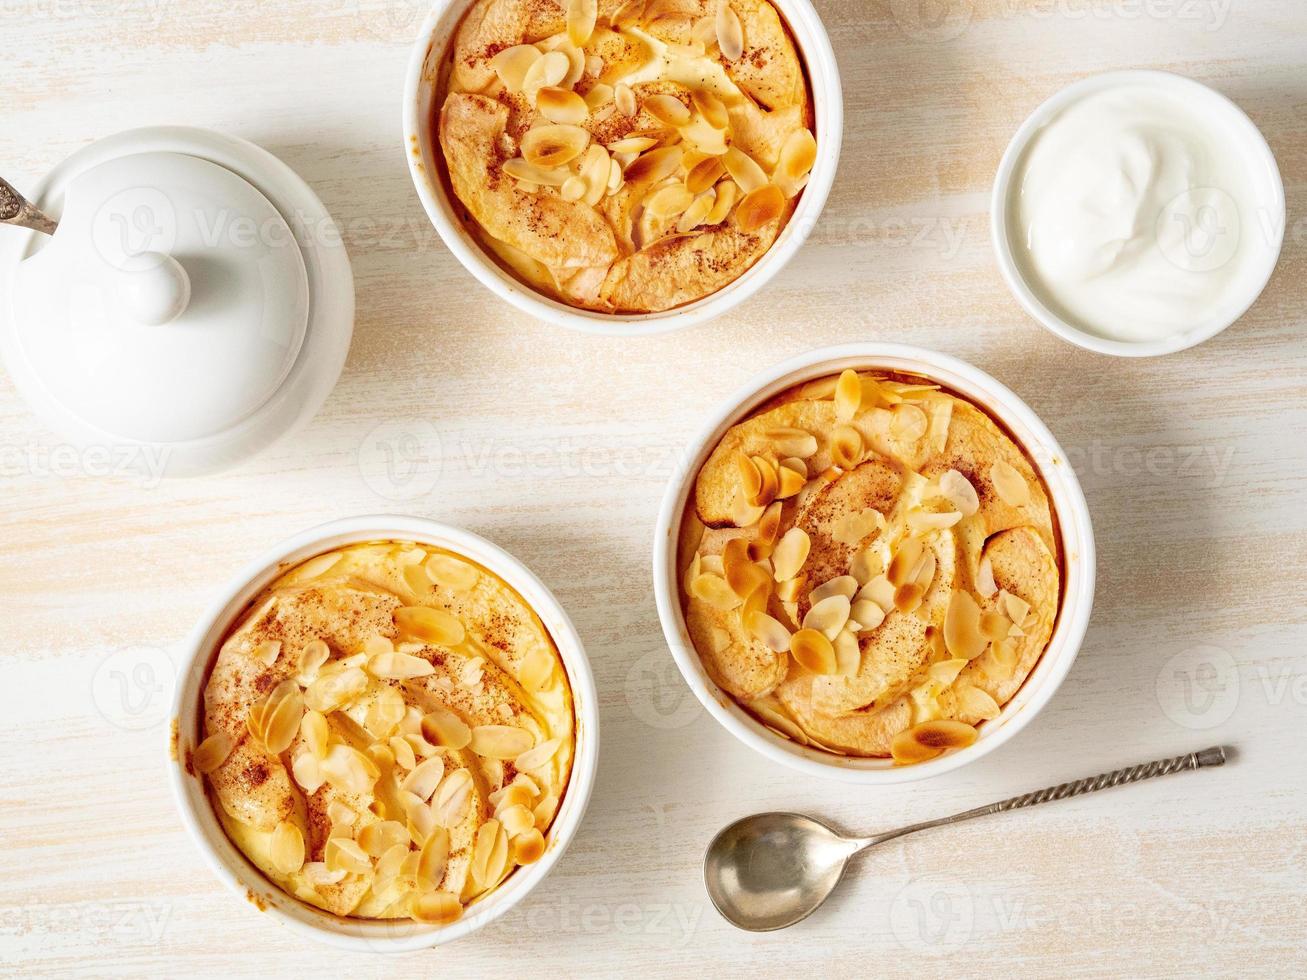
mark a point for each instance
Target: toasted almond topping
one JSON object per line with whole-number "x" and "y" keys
{"x": 742, "y": 575}
{"x": 405, "y": 757}
{"x": 424, "y": 778}
{"x": 538, "y": 757}
{"x": 798, "y": 154}
{"x": 790, "y": 589}
{"x": 519, "y": 169}
{"x": 744, "y": 170}
{"x": 430, "y": 625}
{"x": 853, "y": 528}
{"x": 307, "y": 770}
{"x": 792, "y": 442}
{"x": 377, "y": 838}
{"x": 625, "y": 99}
{"x": 433, "y": 858}
{"x": 212, "y": 752}
{"x": 845, "y": 585}
{"x": 333, "y": 691}
{"x": 703, "y": 137}
{"x": 549, "y": 69}
{"x": 452, "y": 797}
{"x": 544, "y": 810}
{"x": 573, "y": 189}
{"x": 274, "y": 721}
{"x": 286, "y": 848}
{"x": 553, "y": 145}
{"x": 487, "y": 862}
{"x": 749, "y": 477}
{"x": 599, "y": 95}
{"x": 813, "y": 650}
{"x": 791, "y": 482}
{"x": 343, "y": 854}
{"x": 769, "y": 526}
{"x": 903, "y": 567}
{"x": 528, "y": 847}
{"x": 1009, "y": 484}
{"x": 348, "y": 769}
{"x": 704, "y": 174}
{"x": 711, "y": 108}
{"x": 790, "y": 553}
{"x": 760, "y": 207}
{"x": 929, "y": 739}
{"x": 958, "y": 491}
{"x": 695, "y": 214}
{"x": 962, "y": 633}
{"x": 581, "y": 16}
{"x": 908, "y": 422}
{"x": 770, "y": 632}
{"x": 314, "y": 731}
{"x": 667, "y": 109}
{"x": 770, "y": 482}
{"x": 512, "y": 65}
{"x": 380, "y": 754}
{"x": 451, "y": 572}
{"x": 1016, "y": 608}
{"x": 828, "y": 616}
{"x": 435, "y": 908}
{"x": 312, "y": 656}
{"x": 846, "y": 446}
{"x": 500, "y": 741}
{"x": 628, "y": 14}
{"x": 596, "y": 166}
{"x": 389, "y": 866}
{"x": 848, "y": 395}
{"x": 632, "y": 144}
{"x": 907, "y": 597}
{"x": 341, "y": 814}
{"x": 994, "y": 625}
{"x": 267, "y": 652}
{"x": 443, "y": 728}
{"x": 879, "y": 590}
{"x": 727, "y": 193}
{"x": 730, "y": 35}
{"x": 514, "y": 794}
{"x": 668, "y": 201}
{"x": 713, "y": 590}
{"x": 399, "y": 666}
{"x": 536, "y": 668}
{"x": 976, "y": 704}
{"x": 867, "y": 614}
{"x": 920, "y": 521}
{"x": 985, "y": 583}
{"x": 651, "y": 167}
{"x": 562, "y": 105}
{"x": 516, "y": 819}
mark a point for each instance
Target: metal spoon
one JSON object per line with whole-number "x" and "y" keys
{"x": 771, "y": 870}
{"x": 18, "y": 210}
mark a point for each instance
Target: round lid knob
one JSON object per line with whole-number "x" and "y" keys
{"x": 171, "y": 302}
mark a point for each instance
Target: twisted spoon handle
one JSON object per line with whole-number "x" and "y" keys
{"x": 17, "y": 210}
{"x": 1214, "y": 756}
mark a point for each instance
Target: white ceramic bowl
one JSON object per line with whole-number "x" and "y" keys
{"x": 1217, "y": 107}
{"x": 426, "y": 165}
{"x": 197, "y": 813}
{"x": 1068, "y": 504}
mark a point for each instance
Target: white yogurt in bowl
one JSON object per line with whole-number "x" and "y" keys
{"x": 1138, "y": 213}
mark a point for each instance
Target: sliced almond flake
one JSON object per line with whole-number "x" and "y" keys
{"x": 941, "y": 415}
{"x": 399, "y": 666}
{"x": 768, "y": 631}
{"x": 994, "y": 625}
{"x": 560, "y": 105}
{"x": 713, "y": 590}
{"x": 703, "y": 137}
{"x": 985, "y": 583}
{"x": 730, "y": 35}
{"x": 879, "y": 590}
{"x": 790, "y": 553}
{"x": 1014, "y": 606}
{"x": 959, "y": 492}
{"x": 377, "y": 838}
{"x": 1009, "y": 484}
{"x": 389, "y": 867}
{"x": 333, "y": 691}
{"x": 903, "y": 567}
{"x": 668, "y": 202}
{"x": 472, "y": 671}
{"x": 451, "y": 798}
{"x": 341, "y": 814}
{"x": 487, "y": 840}
{"x": 596, "y": 166}
{"x": 615, "y": 179}
{"x": 544, "y": 810}
{"x": 348, "y": 769}
{"x": 513, "y": 64}
{"x": 667, "y": 109}
{"x": 267, "y": 652}
{"x": 537, "y": 757}
{"x": 852, "y": 529}
{"x": 317, "y": 874}
{"x": 920, "y": 521}
{"x": 419, "y": 820}
{"x": 628, "y": 14}
{"x": 694, "y": 215}
{"x": 828, "y": 616}
{"x": 908, "y": 597}
{"x": 975, "y": 705}
{"x": 212, "y": 752}
{"x": 376, "y": 645}
{"x": 866, "y": 564}
{"x": 274, "y": 721}
{"x": 520, "y": 170}
{"x": 424, "y": 779}
{"x": 514, "y": 794}
{"x": 575, "y": 64}
{"x": 598, "y": 95}
{"x": 430, "y": 625}
{"x": 433, "y": 858}
{"x": 813, "y": 650}
{"x": 553, "y": 145}
{"x": 711, "y": 108}
{"x": 632, "y": 144}
{"x": 745, "y": 171}
{"x": 573, "y": 189}
{"x": 307, "y": 770}
{"x": 743, "y": 513}
{"x": 528, "y": 847}
{"x": 445, "y": 729}
{"x": 945, "y": 672}
{"x": 500, "y": 741}
{"x": 760, "y": 207}
{"x": 651, "y": 167}
{"x": 769, "y": 482}
{"x": 343, "y": 854}
{"x": 848, "y": 654}
{"x": 549, "y": 69}
{"x": 848, "y": 395}
{"x": 908, "y": 423}
{"x": 286, "y": 848}
{"x": 791, "y": 482}
{"x": 790, "y": 589}
{"x": 868, "y": 614}
{"x": 581, "y": 16}
{"x": 713, "y": 565}
{"x": 846, "y": 446}
{"x": 929, "y": 739}
{"x": 312, "y": 656}
{"x": 727, "y": 194}
{"x": 625, "y": 99}
{"x": 798, "y": 154}
{"x": 315, "y": 732}
{"x": 516, "y": 819}
{"x": 1005, "y": 656}
{"x": 792, "y": 442}
{"x": 435, "y": 908}
{"x": 962, "y": 634}
{"x": 415, "y": 577}
{"x": 535, "y": 669}
{"x": 845, "y": 585}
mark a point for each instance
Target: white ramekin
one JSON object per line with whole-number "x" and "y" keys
{"x": 1217, "y": 106}
{"x": 197, "y": 813}
{"x": 426, "y": 165}
{"x": 1068, "y": 504}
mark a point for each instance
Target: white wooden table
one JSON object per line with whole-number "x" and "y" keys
{"x": 557, "y": 446}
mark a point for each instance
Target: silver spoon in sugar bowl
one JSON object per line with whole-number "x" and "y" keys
{"x": 771, "y": 870}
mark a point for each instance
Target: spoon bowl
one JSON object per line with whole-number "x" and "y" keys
{"x": 771, "y": 870}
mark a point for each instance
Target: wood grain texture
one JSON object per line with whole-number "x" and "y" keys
{"x": 558, "y": 446}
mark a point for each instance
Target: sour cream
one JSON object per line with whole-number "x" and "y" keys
{"x": 1145, "y": 209}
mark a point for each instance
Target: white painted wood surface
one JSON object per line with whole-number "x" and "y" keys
{"x": 557, "y": 446}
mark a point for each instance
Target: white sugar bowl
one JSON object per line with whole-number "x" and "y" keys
{"x": 194, "y": 304}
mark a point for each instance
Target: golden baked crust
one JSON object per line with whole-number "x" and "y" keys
{"x": 388, "y": 732}
{"x": 870, "y": 565}
{"x": 631, "y": 164}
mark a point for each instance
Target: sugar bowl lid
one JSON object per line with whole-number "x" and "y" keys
{"x": 176, "y": 305}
